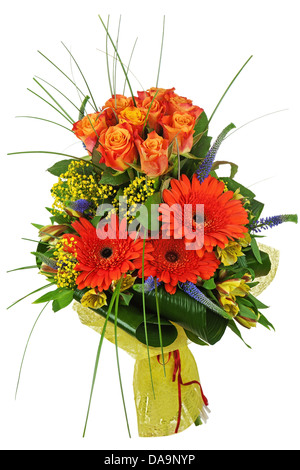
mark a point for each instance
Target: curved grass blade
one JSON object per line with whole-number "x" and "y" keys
{"x": 253, "y": 120}
{"x": 55, "y": 153}
{"x": 107, "y": 61}
{"x": 122, "y": 65}
{"x": 53, "y": 99}
{"x": 112, "y": 301}
{"x": 227, "y": 89}
{"x": 19, "y": 269}
{"x": 159, "y": 327}
{"x": 65, "y": 75}
{"x": 144, "y": 314}
{"x": 25, "y": 350}
{"x": 136, "y": 78}
{"x": 91, "y": 95}
{"x": 47, "y": 120}
{"x": 146, "y": 118}
{"x": 115, "y": 65}
{"x": 43, "y": 99}
{"x": 129, "y": 64}
{"x": 161, "y": 50}
{"x": 34, "y": 292}
{"x": 117, "y": 353}
{"x": 82, "y": 108}
{"x": 58, "y": 91}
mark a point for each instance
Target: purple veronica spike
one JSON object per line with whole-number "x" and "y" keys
{"x": 270, "y": 222}
{"x": 206, "y": 165}
{"x": 193, "y": 291}
{"x": 80, "y": 205}
{"x": 149, "y": 284}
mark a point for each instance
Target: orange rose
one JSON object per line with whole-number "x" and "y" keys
{"x": 153, "y": 154}
{"x": 88, "y": 129}
{"x": 157, "y": 110}
{"x": 179, "y": 126}
{"x": 185, "y": 105}
{"x": 134, "y": 116}
{"x": 116, "y": 145}
{"x": 115, "y": 104}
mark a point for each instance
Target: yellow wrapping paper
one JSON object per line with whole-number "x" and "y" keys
{"x": 158, "y": 413}
{"x": 173, "y": 403}
{"x": 265, "y": 281}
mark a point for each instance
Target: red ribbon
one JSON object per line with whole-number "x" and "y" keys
{"x": 177, "y": 371}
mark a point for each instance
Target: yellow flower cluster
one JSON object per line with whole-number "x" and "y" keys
{"x": 66, "y": 274}
{"x": 79, "y": 182}
{"x": 139, "y": 190}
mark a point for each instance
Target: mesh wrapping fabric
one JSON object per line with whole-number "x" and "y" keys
{"x": 265, "y": 281}
{"x": 162, "y": 414}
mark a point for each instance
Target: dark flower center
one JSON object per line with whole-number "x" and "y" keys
{"x": 106, "y": 252}
{"x": 171, "y": 256}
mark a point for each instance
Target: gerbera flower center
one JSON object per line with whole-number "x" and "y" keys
{"x": 106, "y": 252}
{"x": 171, "y": 256}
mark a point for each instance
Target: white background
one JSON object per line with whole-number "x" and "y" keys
{"x": 253, "y": 394}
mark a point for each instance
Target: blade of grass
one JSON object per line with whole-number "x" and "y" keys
{"x": 146, "y": 118}
{"x": 86, "y": 83}
{"x": 107, "y": 61}
{"x": 117, "y": 353}
{"x": 19, "y": 269}
{"x": 159, "y": 326}
{"x": 55, "y": 153}
{"x": 58, "y": 91}
{"x": 129, "y": 64}
{"x": 144, "y": 315}
{"x": 227, "y": 89}
{"x": 43, "y": 99}
{"x": 111, "y": 304}
{"x": 115, "y": 64}
{"x": 253, "y": 120}
{"x": 47, "y": 120}
{"x": 25, "y": 350}
{"x": 136, "y": 78}
{"x": 161, "y": 50}
{"x": 65, "y": 75}
{"x": 53, "y": 99}
{"x": 122, "y": 65}
{"x": 34, "y": 292}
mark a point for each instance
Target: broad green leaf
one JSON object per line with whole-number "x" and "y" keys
{"x": 186, "y": 312}
{"x": 60, "y": 167}
{"x": 130, "y": 319}
{"x": 255, "y": 250}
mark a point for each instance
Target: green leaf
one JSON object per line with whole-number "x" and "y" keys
{"x": 210, "y": 284}
{"x": 82, "y": 108}
{"x": 60, "y": 167}
{"x": 146, "y": 219}
{"x": 233, "y": 185}
{"x": 234, "y": 167}
{"x": 260, "y": 269}
{"x": 130, "y": 319}
{"x": 57, "y": 294}
{"x": 63, "y": 301}
{"x": 186, "y": 312}
{"x": 265, "y": 322}
{"x": 113, "y": 178}
{"x": 233, "y": 327}
{"x": 255, "y": 250}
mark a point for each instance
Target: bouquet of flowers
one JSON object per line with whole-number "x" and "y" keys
{"x": 152, "y": 247}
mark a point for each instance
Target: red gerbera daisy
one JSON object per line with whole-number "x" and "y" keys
{"x": 173, "y": 263}
{"x": 104, "y": 255}
{"x": 224, "y": 217}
